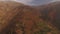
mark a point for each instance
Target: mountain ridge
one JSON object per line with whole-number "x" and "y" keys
{"x": 29, "y": 17}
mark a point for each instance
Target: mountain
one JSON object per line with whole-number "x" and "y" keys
{"x": 36, "y": 19}
{"x": 7, "y": 11}
{"x": 17, "y": 18}
{"x": 51, "y": 12}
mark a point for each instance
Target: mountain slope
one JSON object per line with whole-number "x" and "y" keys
{"x": 51, "y": 12}
{"x": 7, "y": 11}
{"x": 21, "y": 19}
{"x": 27, "y": 21}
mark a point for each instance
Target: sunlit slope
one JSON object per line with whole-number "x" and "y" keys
{"x": 7, "y": 11}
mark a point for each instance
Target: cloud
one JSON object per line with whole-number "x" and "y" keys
{"x": 24, "y": 1}
{"x": 40, "y": 2}
{"x": 34, "y": 2}
{"x": 7, "y": 0}
{"x": 55, "y": 0}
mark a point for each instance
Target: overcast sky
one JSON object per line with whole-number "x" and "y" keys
{"x": 35, "y": 2}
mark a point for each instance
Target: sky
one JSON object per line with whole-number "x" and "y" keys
{"x": 35, "y": 2}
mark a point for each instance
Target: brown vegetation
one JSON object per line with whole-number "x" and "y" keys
{"x": 16, "y": 18}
